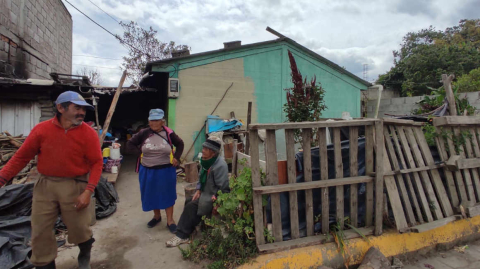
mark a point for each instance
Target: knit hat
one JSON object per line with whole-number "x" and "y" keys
{"x": 214, "y": 143}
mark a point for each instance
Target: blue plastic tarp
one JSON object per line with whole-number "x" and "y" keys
{"x": 217, "y": 124}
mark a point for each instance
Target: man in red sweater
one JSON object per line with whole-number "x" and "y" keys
{"x": 70, "y": 163}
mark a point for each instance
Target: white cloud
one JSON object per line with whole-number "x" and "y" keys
{"x": 349, "y": 33}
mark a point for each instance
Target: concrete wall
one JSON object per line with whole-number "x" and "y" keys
{"x": 405, "y": 105}
{"x": 36, "y": 37}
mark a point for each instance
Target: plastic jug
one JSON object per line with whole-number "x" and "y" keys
{"x": 114, "y": 153}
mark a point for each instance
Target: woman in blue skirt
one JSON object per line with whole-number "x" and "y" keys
{"x": 157, "y": 172}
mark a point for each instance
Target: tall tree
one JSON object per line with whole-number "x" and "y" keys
{"x": 427, "y": 54}
{"x": 93, "y": 75}
{"x": 143, "y": 47}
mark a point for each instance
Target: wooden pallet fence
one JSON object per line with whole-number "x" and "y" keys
{"x": 374, "y": 184}
{"x": 459, "y": 136}
{"x": 416, "y": 194}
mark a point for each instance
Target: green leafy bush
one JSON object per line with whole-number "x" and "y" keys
{"x": 229, "y": 241}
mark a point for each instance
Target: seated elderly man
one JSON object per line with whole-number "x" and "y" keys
{"x": 213, "y": 178}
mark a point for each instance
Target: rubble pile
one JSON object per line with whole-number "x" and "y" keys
{"x": 8, "y": 146}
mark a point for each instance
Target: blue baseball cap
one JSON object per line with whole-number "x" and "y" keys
{"x": 156, "y": 114}
{"x": 74, "y": 98}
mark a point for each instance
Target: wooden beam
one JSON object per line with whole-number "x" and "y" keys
{"x": 112, "y": 107}
{"x": 256, "y": 182}
{"x": 447, "y": 85}
{"x": 380, "y": 148}
{"x": 457, "y": 121}
{"x": 311, "y": 241}
{"x": 272, "y": 180}
{"x": 249, "y": 121}
{"x": 307, "y": 172}
{"x": 315, "y": 124}
{"x": 322, "y": 152}
{"x": 434, "y": 224}
{"x": 291, "y": 174}
{"x": 402, "y": 122}
{"x": 312, "y": 185}
{"x": 468, "y": 163}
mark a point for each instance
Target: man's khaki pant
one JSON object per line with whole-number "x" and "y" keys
{"x": 53, "y": 196}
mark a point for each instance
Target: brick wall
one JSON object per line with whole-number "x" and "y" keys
{"x": 36, "y": 37}
{"x": 405, "y": 105}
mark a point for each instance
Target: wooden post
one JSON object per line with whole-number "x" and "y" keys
{"x": 112, "y": 107}
{"x": 191, "y": 172}
{"x": 447, "y": 84}
{"x": 95, "y": 104}
{"x": 249, "y": 120}
{"x": 379, "y": 176}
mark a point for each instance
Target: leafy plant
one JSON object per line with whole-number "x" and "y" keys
{"x": 304, "y": 101}
{"x": 229, "y": 241}
{"x": 430, "y": 103}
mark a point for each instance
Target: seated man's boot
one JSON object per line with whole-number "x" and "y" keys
{"x": 84, "y": 256}
{"x": 48, "y": 266}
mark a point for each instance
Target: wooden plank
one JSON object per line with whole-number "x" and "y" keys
{"x": 272, "y": 180}
{"x": 473, "y": 211}
{"x": 394, "y": 196}
{"x": 291, "y": 175}
{"x": 312, "y": 185}
{"x": 447, "y": 85}
{"x": 460, "y": 184}
{"x": 379, "y": 167}
{"x": 191, "y": 172}
{"x": 418, "y": 169}
{"x": 256, "y": 182}
{"x": 322, "y": 143}
{"x": 353, "y": 136}
{"x": 434, "y": 174}
{"x": 113, "y": 105}
{"x": 390, "y": 181}
{"x": 369, "y": 145}
{"x": 467, "y": 121}
{"x": 451, "y": 188}
{"x": 307, "y": 172}
{"x": 315, "y": 124}
{"x": 466, "y": 172}
{"x": 338, "y": 174}
{"x": 472, "y": 163}
{"x": 468, "y": 163}
{"x": 417, "y": 155}
{"x": 424, "y": 205}
{"x": 402, "y": 122}
{"x": 434, "y": 224}
{"x": 249, "y": 121}
{"x": 476, "y": 151}
{"x": 311, "y": 241}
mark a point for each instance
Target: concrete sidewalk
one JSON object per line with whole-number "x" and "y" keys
{"x": 123, "y": 240}
{"x": 452, "y": 259}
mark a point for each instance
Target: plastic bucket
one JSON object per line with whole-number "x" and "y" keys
{"x": 114, "y": 153}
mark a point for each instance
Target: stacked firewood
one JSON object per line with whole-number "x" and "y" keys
{"x": 9, "y": 144}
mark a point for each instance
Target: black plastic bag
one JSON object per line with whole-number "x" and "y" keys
{"x": 107, "y": 199}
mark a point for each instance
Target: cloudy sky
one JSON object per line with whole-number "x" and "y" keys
{"x": 349, "y": 33}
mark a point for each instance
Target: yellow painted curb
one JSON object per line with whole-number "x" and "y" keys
{"x": 390, "y": 244}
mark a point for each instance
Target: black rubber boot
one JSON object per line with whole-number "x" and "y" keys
{"x": 48, "y": 266}
{"x": 84, "y": 256}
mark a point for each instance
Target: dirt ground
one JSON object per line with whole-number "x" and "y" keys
{"x": 123, "y": 240}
